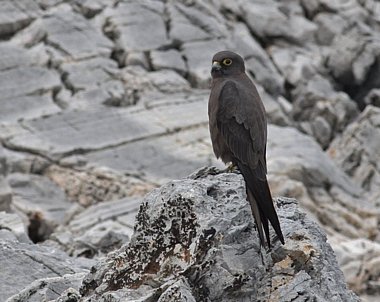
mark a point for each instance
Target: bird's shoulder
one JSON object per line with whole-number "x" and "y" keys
{"x": 237, "y": 98}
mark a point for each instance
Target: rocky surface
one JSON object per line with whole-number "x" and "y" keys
{"x": 104, "y": 100}
{"x": 195, "y": 238}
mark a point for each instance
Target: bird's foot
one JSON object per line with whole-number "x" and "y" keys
{"x": 203, "y": 172}
{"x": 232, "y": 168}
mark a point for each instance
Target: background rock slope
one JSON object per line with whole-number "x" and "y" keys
{"x": 101, "y": 101}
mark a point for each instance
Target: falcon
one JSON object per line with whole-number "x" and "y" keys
{"x": 238, "y": 129}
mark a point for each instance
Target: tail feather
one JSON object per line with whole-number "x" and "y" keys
{"x": 260, "y": 198}
{"x": 257, "y": 215}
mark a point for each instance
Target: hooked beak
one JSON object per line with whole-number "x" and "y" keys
{"x": 216, "y": 66}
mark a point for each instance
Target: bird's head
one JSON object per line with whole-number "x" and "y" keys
{"x": 225, "y": 63}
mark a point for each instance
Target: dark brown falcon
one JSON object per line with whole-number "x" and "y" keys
{"x": 238, "y": 129}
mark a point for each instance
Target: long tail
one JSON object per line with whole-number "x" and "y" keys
{"x": 261, "y": 202}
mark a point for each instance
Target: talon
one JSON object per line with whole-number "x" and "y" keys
{"x": 232, "y": 168}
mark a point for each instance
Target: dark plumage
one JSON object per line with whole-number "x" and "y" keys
{"x": 238, "y": 129}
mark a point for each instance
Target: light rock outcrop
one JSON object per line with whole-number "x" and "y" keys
{"x": 195, "y": 240}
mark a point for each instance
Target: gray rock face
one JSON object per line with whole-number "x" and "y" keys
{"x": 33, "y": 198}
{"x": 359, "y": 260}
{"x": 48, "y": 289}
{"x": 99, "y": 229}
{"x": 5, "y": 195}
{"x": 329, "y": 194}
{"x": 23, "y": 263}
{"x": 72, "y": 36}
{"x": 138, "y": 27}
{"x": 14, "y": 16}
{"x": 170, "y": 59}
{"x": 358, "y": 162}
{"x": 103, "y": 100}
{"x": 196, "y": 238}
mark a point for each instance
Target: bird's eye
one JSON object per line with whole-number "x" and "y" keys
{"x": 227, "y": 62}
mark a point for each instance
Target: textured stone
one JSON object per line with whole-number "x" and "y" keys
{"x": 211, "y": 251}
{"x": 335, "y": 200}
{"x": 138, "y": 26}
{"x": 316, "y": 103}
{"x": 182, "y": 29}
{"x": 62, "y": 135}
{"x": 359, "y": 260}
{"x": 14, "y": 224}
{"x": 47, "y": 289}
{"x": 5, "y": 195}
{"x": 16, "y": 15}
{"x": 161, "y": 158}
{"x": 169, "y": 59}
{"x": 373, "y": 98}
{"x": 297, "y": 64}
{"x": 257, "y": 61}
{"x": 204, "y": 17}
{"x": 329, "y": 26}
{"x": 22, "y": 81}
{"x": 32, "y": 198}
{"x": 27, "y": 107}
{"x": 22, "y": 264}
{"x": 266, "y": 20}
{"x": 99, "y": 229}
{"x": 92, "y": 185}
{"x": 74, "y": 37}
{"x": 168, "y": 81}
{"x": 361, "y": 160}
{"x": 93, "y": 82}
{"x": 352, "y": 55}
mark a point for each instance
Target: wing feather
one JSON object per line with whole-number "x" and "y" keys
{"x": 244, "y": 134}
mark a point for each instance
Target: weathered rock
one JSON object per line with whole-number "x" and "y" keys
{"x": 26, "y": 81}
{"x": 99, "y": 229}
{"x": 90, "y": 8}
{"x": 352, "y": 55}
{"x": 91, "y": 185}
{"x": 161, "y": 158}
{"x": 13, "y": 224}
{"x": 137, "y": 26}
{"x": 274, "y": 107}
{"x": 22, "y": 264}
{"x": 13, "y": 56}
{"x": 359, "y": 260}
{"x": 329, "y": 26}
{"x": 14, "y": 16}
{"x": 42, "y": 203}
{"x": 335, "y": 200}
{"x": 373, "y": 98}
{"x": 169, "y": 59}
{"x": 47, "y": 289}
{"x": 203, "y": 16}
{"x": 187, "y": 243}
{"x": 168, "y": 81}
{"x": 257, "y": 61}
{"x": 361, "y": 160}
{"x": 267, "y": 20}
{"x": 27, "y": 107}
{"x": 61, "y": 135}
{"x": 71, "y": 36}
{"x": 182, "y": 29}
{"x": 93, "y": 82}
{"x": 2, "y": 161}
{"x": 321, "y": 111}
{"x": 297, "y": 64}
{"x": 5, "y": 195}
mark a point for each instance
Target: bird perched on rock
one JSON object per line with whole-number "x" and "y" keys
{"x": 238, "y": 129}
